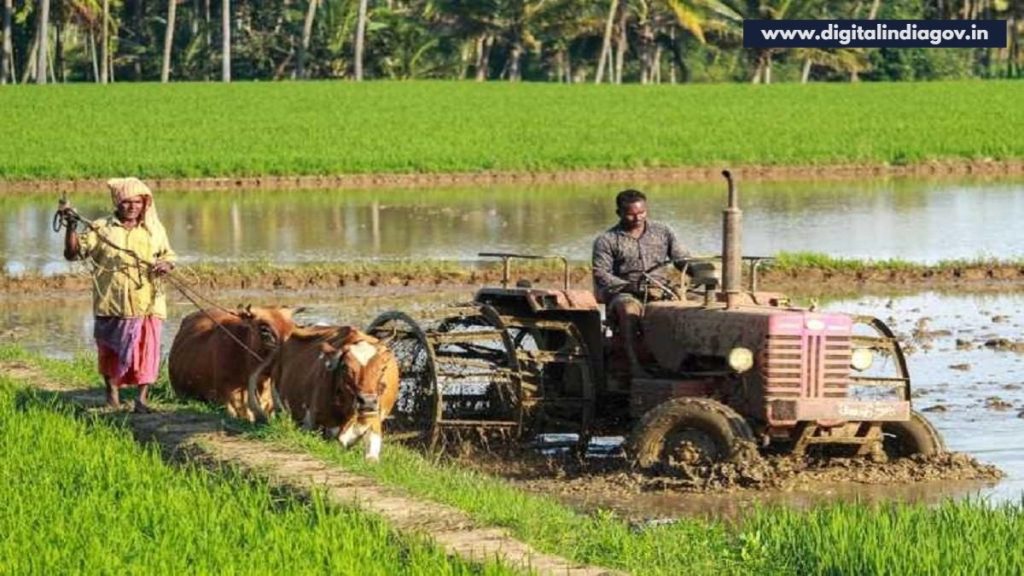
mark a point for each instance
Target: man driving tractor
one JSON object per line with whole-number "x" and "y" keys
{"x": 622, "y": 261}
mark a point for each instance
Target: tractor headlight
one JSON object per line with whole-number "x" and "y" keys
{"x": 741, "y": 359}
{"x": 861, "y": 359}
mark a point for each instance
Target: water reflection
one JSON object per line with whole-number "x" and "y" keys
{"x": 911, "y": 219}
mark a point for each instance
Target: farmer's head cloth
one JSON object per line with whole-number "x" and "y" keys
{"x": 124, "y": 188}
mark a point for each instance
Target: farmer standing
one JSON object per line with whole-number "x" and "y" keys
{"x": 126, "y": 253}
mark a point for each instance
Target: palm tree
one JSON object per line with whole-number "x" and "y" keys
{"x": 7, "y": 54}
{"x": 660, "y": 14}
{"x": 165, "y": 70}
{"x": 734, "y": 12}
{"x": 44, "y": 33}
{"x": 104, "y": 42}
{"x": 360, "y": 38}
{"x": 225, "y": 51}
{"x": 606, "y": 42}
{"x": 307, "y": 32}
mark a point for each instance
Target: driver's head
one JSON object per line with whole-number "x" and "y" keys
{"x": 631, "y": 207}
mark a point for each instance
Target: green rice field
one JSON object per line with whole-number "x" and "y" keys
{"x": 90, "y": 481}
{"x": 321, "y": 128}
{"x": 80, "y": 496}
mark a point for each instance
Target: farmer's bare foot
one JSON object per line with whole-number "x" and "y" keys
{"x": 141, "y": 408}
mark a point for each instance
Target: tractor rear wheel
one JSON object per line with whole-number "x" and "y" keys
{"x": 687, "y": 431}
{"x": 915, "y": 436}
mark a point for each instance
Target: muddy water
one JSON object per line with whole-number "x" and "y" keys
{"x": 913, "y": 219}
{"x": 972, "y": 392}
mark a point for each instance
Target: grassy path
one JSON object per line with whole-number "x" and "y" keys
{"x": 201, "y": 436}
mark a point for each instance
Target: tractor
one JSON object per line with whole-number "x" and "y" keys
{"x": 727, "y": 368}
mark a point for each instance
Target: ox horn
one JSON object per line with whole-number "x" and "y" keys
{"x": 331, "y": 360}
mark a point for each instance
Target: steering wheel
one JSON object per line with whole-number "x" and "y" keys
{"x": 648, "y": 281}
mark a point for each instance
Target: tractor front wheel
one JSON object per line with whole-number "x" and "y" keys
{"x": 915, "y": 436}
{"x": 688, "y": 431}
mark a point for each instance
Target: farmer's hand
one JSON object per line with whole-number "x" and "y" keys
{"x": 67, "y": 214}
{"x": 161, "y": 267}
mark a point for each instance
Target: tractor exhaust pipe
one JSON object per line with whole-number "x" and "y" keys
{"x": 732, "y": 245}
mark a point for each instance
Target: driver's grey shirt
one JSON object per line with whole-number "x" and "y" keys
{"x": 619, "y": 259}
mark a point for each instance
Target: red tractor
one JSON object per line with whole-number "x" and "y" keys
{"x": 729, "y": 368}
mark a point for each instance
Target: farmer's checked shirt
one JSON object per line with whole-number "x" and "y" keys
{"x": 121, "y": 286}
{"x": 619, "y": 259}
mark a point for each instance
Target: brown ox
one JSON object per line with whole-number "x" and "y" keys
{"x": 207, "y": 364}
{"x": 338, "y": 380}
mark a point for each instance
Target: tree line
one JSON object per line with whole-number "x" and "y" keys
{"x": 570, "y": 41}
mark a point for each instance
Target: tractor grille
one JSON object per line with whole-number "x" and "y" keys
{"x": 806, "y": 366}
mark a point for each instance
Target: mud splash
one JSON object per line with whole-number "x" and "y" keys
{"x": 774, "y": 472}
{"x": 726, "y": 490}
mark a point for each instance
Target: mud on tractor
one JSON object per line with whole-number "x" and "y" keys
{"x": 728, "y": 368}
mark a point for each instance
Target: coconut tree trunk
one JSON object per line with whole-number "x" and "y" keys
{"x": 621, "y": 44}
{"x": 806, "y": 75}
{"x": 104, "y": 41}
{"x": 7, "y": 54}
{"x": 672, "y": 60}
{"x": 515, "y": 54}
{"x": 483, "y": 57}
{"x": 307, "y": 33}
{"x": 225, "y": 46}
{"x": 92, "y": 54}
{"x": 872, "y": 14}
{"x": 758, "y": 68}
{"x": 646, "y": 53}
{"x": 42, "y": 54}
{"x": 606, "y": 43}
{"x": 165, "y": 71}
{"x": 59, "y": 73}
{"x": 30, "y": 65}
{"x": 657, "y": 64}
{"x": 360, "y": 38}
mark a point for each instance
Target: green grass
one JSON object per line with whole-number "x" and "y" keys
{"x": 952, "y": 538}
{"x": 79, "y": 495}
{"x": 957, "y": 538}
{"x": 794, "y": 261}
{"x": 188, "y": 130}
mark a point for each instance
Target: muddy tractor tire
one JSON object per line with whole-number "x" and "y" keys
{"x": 915, "y": 436}
{"x": 687, "y": 431}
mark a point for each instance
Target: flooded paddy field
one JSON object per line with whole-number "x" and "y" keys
{"x": 966, "y": 358}
{"x": 912, "y": 219}
{"x": 966, "y": 350}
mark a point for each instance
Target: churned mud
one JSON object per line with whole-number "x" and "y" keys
{"x": 796, "y": 282}
{"x": 934, "y": 169}
{"x": 714, "y": 490}
{"x": 751, "y": 471}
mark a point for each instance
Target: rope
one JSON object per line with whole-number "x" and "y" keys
{"x": 68, "y": 217}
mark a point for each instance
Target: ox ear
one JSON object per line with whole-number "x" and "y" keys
{"x": 267, "y": 335}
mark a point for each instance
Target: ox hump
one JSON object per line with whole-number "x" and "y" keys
{"x": 363, "y": 352}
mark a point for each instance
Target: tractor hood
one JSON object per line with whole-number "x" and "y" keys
{"x": 677, "y": 333}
